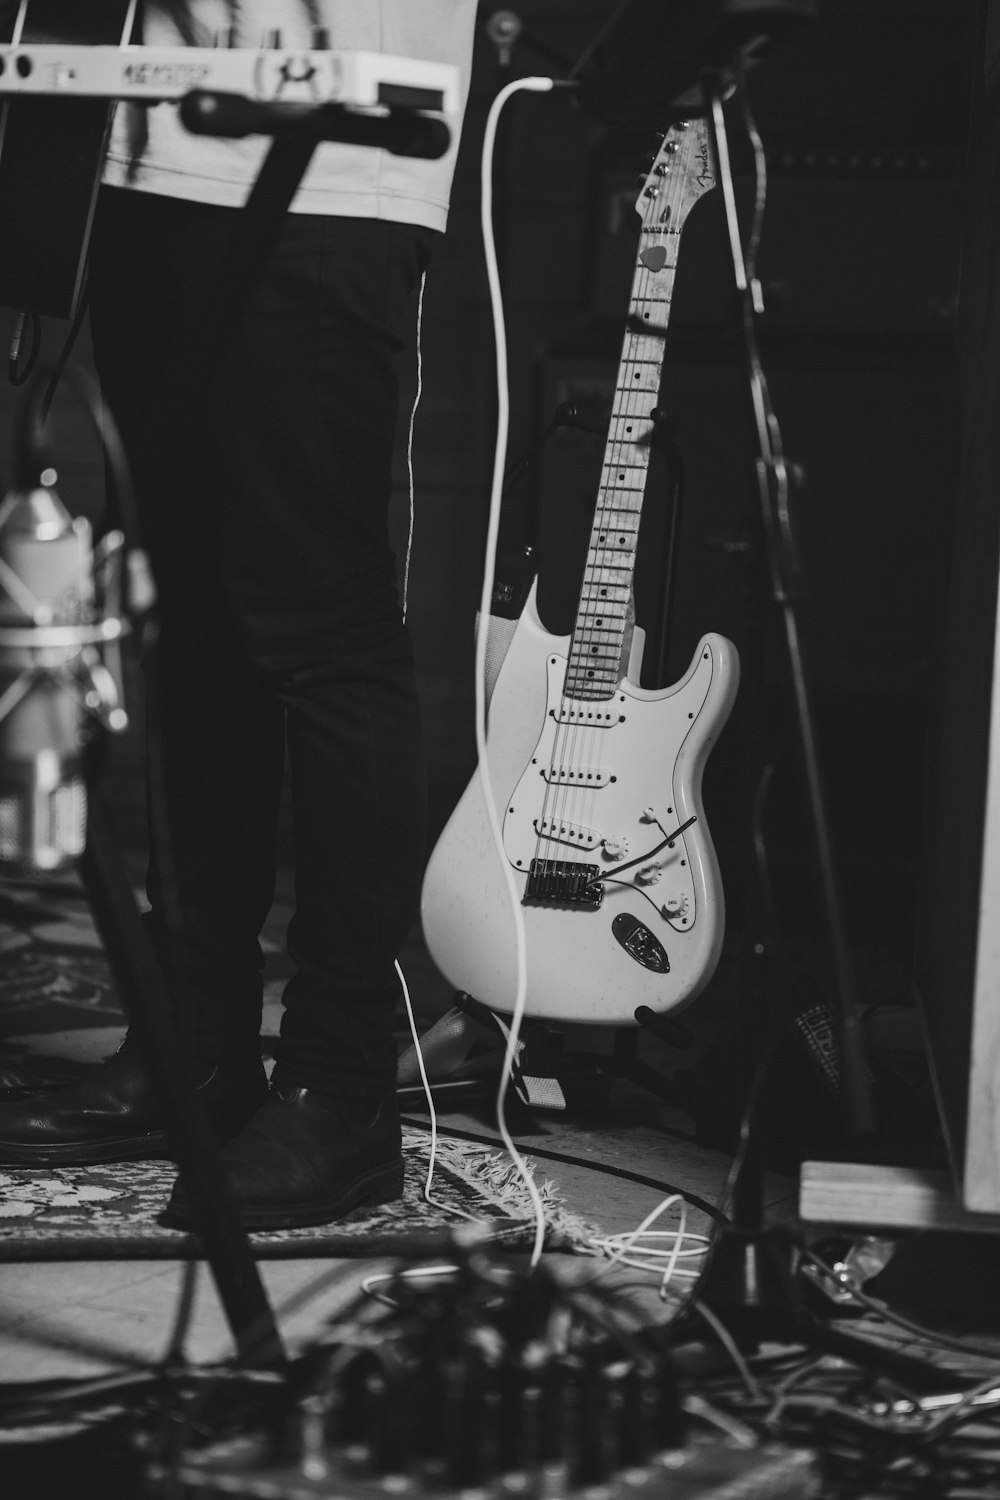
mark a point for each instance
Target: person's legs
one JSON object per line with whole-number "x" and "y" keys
{"x": 216, "y": 734}
{"x": 314, "y": 585}
{"x": 268, "y": 535}
{"x": 213, "y": 724}
{"x": 305, "y": 432}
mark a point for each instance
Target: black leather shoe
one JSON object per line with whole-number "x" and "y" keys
{"x": 307, "y": 1158}
{"x": 113, "y": 1114}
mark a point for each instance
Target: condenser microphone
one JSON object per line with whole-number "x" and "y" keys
{"x": 52, "y": 675}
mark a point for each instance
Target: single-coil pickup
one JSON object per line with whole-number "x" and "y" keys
{"x": 595, "y": 716}
{"x": 576, "y": 775}
{"x": 566, "y": 833}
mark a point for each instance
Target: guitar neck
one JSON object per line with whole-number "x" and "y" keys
{"x": 680, "y": 174}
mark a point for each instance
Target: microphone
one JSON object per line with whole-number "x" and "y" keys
{"x": 59, "y": 610}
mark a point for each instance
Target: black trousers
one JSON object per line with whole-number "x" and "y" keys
{"x": 263, "y": 471}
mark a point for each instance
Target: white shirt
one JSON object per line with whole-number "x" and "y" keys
{"x": 158, "y": 155}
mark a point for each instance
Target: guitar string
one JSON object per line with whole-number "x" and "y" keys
{"x": 567, "y": 806}
{"x": 578, "y": 740}
{"x": 575, "y": 742}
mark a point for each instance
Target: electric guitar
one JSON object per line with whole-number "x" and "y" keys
{"x": 596, "y": 780}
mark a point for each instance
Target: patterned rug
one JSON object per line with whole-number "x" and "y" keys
{"x": 59, "y": 1014}
{"x": 111, "y": 1212}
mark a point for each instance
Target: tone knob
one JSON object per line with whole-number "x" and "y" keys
{"x": 674, "y": 904}
{"x": 648, "y": 874}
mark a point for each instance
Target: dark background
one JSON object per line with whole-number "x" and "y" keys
{"x": 863, "y": 112}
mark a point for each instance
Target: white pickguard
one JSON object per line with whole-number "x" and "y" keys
{"x": 603, "y": 792}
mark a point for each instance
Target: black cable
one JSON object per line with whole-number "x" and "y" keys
{"x": 929, "y": 1335}
{"x": 577, "y": 1161}
{"x": 61, "y": 362}
{"x": 31, "y": 443}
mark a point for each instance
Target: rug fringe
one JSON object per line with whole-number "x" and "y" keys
{"x": 496, "y": 1176}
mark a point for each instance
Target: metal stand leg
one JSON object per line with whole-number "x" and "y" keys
{"x": 144, "y": 991}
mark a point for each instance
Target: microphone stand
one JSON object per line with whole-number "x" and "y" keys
{"x": 774, "y": 482}
{"x": 139, "y": 978}
{"x": 749, "y": 1282}
{"x": 144, "y": 990}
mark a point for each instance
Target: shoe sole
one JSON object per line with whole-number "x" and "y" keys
{"x": 153, "y": 1146}
{"x": 70, "y": 1154}
{"x": 380, "y": 1185}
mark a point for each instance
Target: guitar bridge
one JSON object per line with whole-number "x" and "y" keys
{"x": 560, "y": 882}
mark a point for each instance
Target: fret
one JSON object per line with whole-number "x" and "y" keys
{"x": 600, "y": 643}
{"x": 604, "y": 545}
{"x": 680, "y": 174}
{"x": 602, "y": 598}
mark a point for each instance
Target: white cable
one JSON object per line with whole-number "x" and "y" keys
{"x": 406, "y": 589}
{"x": 129, "y": 23}
{"x": 623, "y": 1249}
{"x": 409, "y": 443}
{"x": 19, "y": 20}
{"x": 536, "y": 85}
{"x": 415, "y": 1273}
{"x": 459, "y": 1212}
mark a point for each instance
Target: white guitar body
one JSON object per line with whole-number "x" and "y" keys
{"x": 605, "y": 792}
{"x": 597, "y": 781}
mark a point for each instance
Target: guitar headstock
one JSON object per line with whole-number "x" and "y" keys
{"x": 682, "y": 171}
